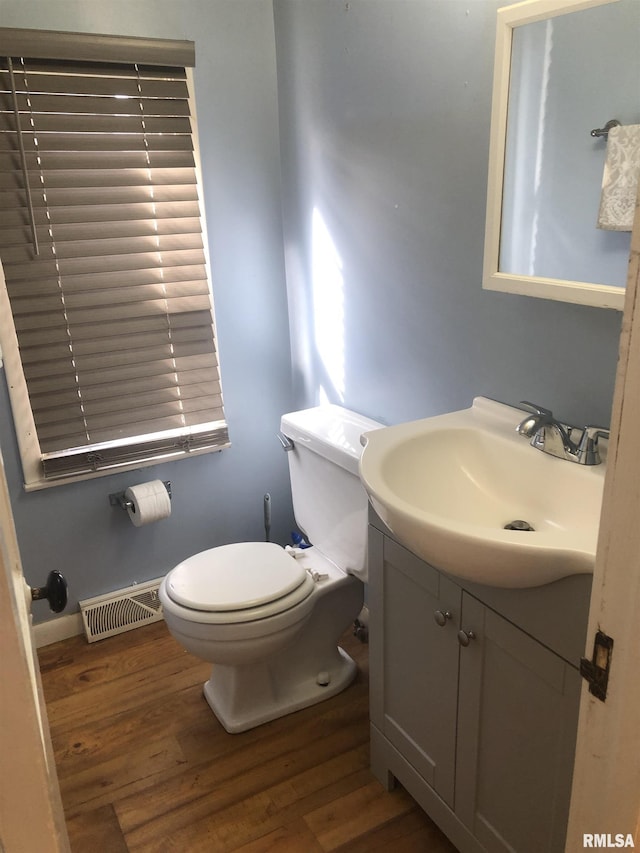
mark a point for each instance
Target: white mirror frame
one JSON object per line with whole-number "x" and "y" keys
{"x": 582, "y": 293}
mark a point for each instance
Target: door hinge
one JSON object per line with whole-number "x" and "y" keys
{"x": 596, "y": 670}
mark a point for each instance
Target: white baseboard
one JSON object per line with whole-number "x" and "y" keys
{"x": 71, "y": 625}
{"x": 46, "y": 633}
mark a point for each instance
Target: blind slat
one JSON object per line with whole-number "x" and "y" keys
{"x": 126, "y": 264}
{"x": 31, "y": 82}
{"x": 69, "y": 179}
{"x": 56, "y": 316}
{"x": 37, "y": 107}
{"x": 87, "y": 124}
{"x": 58, "y": 361}
{"x": 118, "y": 425}
{"x": 70, "y": 143}
{"x": 108, "y": 281}
{"x": 116, "y": 391}
{"x": 94, "y": 334}
{"x": 151, "y": 213}
{"x": 51, "y": 409}
{"x": 122, "y": 70}
{"x": 48, "y": 161}
{"x": 55, "y": 197}
{"x": 123, "y": 296}
{"x": 91, "y": 231}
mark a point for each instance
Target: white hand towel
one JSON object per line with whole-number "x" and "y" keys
{"x": 620, "y": 179}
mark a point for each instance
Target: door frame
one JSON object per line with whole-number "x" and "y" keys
{"x": 31, "y": 813}
{"x": 606, "y": 781}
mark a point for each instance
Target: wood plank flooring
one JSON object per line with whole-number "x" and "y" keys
{"x": 144, "y": 765}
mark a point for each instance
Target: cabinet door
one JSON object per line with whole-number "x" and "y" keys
{"x": 419, "y": 673}
{"x": 517, "y": 722}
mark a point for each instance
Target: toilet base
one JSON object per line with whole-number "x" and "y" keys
{"x": 248, "y": 696}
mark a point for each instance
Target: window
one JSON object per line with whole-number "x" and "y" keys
{"x": 106, "y": 320}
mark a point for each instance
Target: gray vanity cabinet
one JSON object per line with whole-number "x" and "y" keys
{"x": 473, "y": 716}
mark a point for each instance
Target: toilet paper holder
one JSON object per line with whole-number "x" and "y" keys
{"x": 119, "y": 499}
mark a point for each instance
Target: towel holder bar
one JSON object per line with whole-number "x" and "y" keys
{"x": 604, "y": 131}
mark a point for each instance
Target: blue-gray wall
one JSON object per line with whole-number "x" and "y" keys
{"x": 383, "y": 109}
{"x": 217, "y": 497}
{"x": 384, "y": 132}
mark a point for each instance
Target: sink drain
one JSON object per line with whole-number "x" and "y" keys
{"x": 518, "y": 525}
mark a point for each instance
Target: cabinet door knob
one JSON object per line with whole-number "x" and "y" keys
{"x": 465, "y": 637}
{"x": 441, "y": 617}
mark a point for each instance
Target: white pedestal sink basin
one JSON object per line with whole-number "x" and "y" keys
{"x": 447, "y": 486}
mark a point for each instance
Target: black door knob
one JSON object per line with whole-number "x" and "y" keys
{"x": 55, "y": 591}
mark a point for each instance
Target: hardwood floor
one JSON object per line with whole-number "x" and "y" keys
{"x": 144, "y": 764}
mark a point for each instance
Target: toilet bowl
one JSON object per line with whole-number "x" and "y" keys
{"x": 269, "y": 618}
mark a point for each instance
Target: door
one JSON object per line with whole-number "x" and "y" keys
{"x": 420, "y": 616}
{"x": 31, "y": 815}
{"x": 606, "y": 785}
{"x": 517, "y": 716}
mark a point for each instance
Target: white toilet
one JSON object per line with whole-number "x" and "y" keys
{"x": 269, "y": 619}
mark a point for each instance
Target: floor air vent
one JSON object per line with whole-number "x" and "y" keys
{"x": 121, "y": 610}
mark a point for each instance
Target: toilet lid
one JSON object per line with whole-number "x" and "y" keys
{"x": 235, "y": 577}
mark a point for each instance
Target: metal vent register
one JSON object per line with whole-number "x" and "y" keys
{"x": 121, "y": 610}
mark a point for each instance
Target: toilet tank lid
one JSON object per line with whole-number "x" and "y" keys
{"x": 330, "y": 431}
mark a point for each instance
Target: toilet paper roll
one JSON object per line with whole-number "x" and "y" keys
{"x": 149, "y": 502}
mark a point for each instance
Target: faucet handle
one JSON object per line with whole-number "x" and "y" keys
{"x": 588, "y": 452}
{"x": 536, "y": 409}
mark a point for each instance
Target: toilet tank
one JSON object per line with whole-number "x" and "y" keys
{"x": 329, "y": 501}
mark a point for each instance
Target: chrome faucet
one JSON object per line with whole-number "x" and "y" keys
{"x": 553, "y": 437}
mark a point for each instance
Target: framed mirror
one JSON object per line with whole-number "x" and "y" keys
{"x": 563, "y": 70}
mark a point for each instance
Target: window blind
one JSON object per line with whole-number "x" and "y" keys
{"x": 113, "y": 314}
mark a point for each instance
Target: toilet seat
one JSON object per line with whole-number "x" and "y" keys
{"x": 242, "y": 582}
